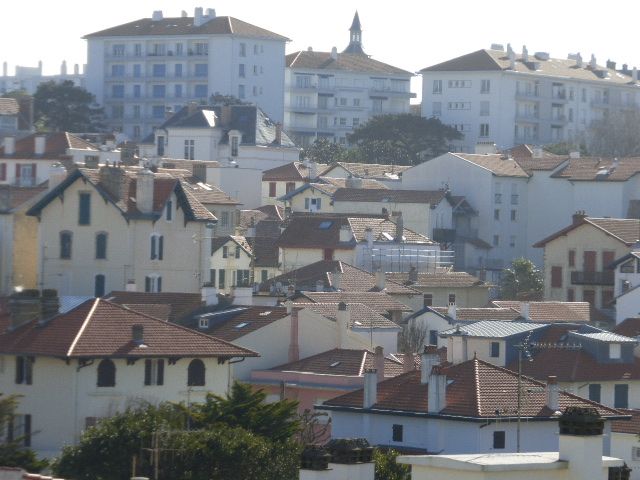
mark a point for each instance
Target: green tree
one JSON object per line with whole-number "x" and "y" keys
{"x": 402, "y": 139}
{"x": 521, "y": 280}
{"x": 565, "y": 148}
{"x": 387, "y": 468}
{"x": 13, "y": 453}
{"x": 63, "y": 107}
{"x": 616, "y": 134}
{"x": 324, "y": 151}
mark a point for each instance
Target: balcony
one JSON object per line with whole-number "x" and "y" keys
{"x": 592, "y": 278}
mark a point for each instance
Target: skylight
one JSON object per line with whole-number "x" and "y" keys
{"x": 325, "y": 225}
{"x": 264, "y": 314}
{"x": 335, "y": 364}
{"x": 241, "y": 325}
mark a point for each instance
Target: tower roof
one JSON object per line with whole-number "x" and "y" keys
{"x": 355, "y": 38}
{"x": 355, "y": 25}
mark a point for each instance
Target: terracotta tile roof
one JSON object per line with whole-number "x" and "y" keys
{"x": 483, "y": 60}
{"x": 184, "y": 26}
{"x": 179, "y": 304}
{"x": 524, "y": 155}
{"x": 274, "y": 212}
{"x": 481, "y": 314}
{"x": 244, "y": 320}
{"x": 498, "y": 164}
{"x": 630, "y": 327}
{"x": 361, "y": 316}
{"x": 380, "y": 227}
{"x": 475, "y": 389}
{"x": 186, "y": 165}
{"x": 56, "y": 145}
{"x": 9, "y": 106}
{"x": 425, "y": 197}
{"x": 623, "y": 229}
{"x": 266, "y": 253}
{"x": 599, "y": 169}
{"x": 439, "y": 280}
{"x": 631, "y": 426}
{"x": 219, "y": 242}
{"x": 99, "y": 328}
{"x": 340, "y": 361}
{"x": 353, "y": 279}
{"x": 369, "y": 170}
{"x": 577, "y": 366}
{"x": 550, "y": 312}
{"x": 380, "y": 302}
{"x": 350, "y": 62}
{"x": 12, "y": 197}
{"x": 159, "y": 311}
{"x": 294, "y": 172}
{"x": 209, "y": 194}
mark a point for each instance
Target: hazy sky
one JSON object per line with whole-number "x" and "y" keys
{"x": 407, "y": 34}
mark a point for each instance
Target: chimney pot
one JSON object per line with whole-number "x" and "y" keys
{"x": 578, "y": 217}
{"x": 370, "y": 387}
{"x": 40, "y": 142}
{"x": 343, "y": 318}
{"x": 131, "y": 286}
{"x": 209, "y": 294}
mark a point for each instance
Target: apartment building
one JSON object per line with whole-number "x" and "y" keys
{"x": 508, "y": 99}
{"x": 330, "y": 94}
{"x": 142, "y": 69}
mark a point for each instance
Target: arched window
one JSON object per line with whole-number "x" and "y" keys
{"x": 195, "y": 373}
{"x": 99, "y": 283}
{"x": 66, "y": 240}
{"x": 101, "y": 246}
{"x": 106, "y": 373}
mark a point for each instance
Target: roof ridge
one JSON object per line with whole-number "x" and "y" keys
{"x": 82, "y": 328}
{"x": 230, "y": 25}
{"x": 362, "y": 363}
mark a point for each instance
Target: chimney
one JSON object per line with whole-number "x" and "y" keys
{"x": 413, "y": 274}
{"x": 399, "y": 227}
{"x": 592, "y": 63}
{"x": 407, "y": 363}
{"x": 294, "y": 346}
{"x": 39, "y": 142}
{"x": 313, "y": 170}
{"x": 111, "y": 179}
{"x": 537, "y": 152}
{"x": 137, "y": 334}
{"x": 552, "y": 393}
{"x": 5, "y": 69}
{"x": 278, "y": 139}
{"x": 9, "y": 146}
{"x": 436, "y": 390}
{"x": 131, "y": 286}
{"x": 581, "y": 441}
{"x": 525, "y": 311}
{"x": 578, "y": 217}
{"x": 144, "y": 190}
{"x": 198, "y": 17}
{"x": 345, "y": 234}
{"x": 381, "y": 279}
{"x": 353, "y": 182}
{"x": 225, "y": 115}
{"x": 368, "y": 234}
{"x": 579, "y": 62}
{"x": 319, "y": 286}
{"x": 242, "y": 295}
{"x": 379, "y": 362}
{"x": 451, "y": 311}
{"x": 57, "y": 173}
{"x": 343, "y": 317}
{"x": 634, "y": 75}
{"x": 370, "y": 387}
{"x": 525, "y": 54}
{"x": 24, "y": 307}
{"x": 209, "y": 294}
{"x": 49, "y": 304}
{"x": 211, "y": 13}
{"x": 156, "y": 16}
{"x": 334, "y": 53}
{"x": 429, "y": 359}
{"x": 575, "y": 154}
{"x": 76, "y": 69}
{"x": 25, "y": 120}
{"x": 336, "y": 279}
{"x": 611, "y": 64}
{"x": 63, "y": 68}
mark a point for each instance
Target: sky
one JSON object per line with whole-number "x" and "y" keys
{"x": 407, "y": 34}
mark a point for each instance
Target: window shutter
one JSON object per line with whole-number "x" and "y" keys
{"x": 3, "y": 171}
{"x": 160, "y": 246}
{"x": 153, "y": 247}
{"x": 147, "y": 372}
{"x": 319, "y": 203}
{"x": 147, "y": 284}
{"x": 33, "y": 172}
{"x": 306, "y": 204}
{"x": 17, "y": 171}
{"x": 160, "y": 373}
{"x": 26, "y": 430}
{"x": 19, "y": 369}
{"x": 237, "y": 252}
{"x": 159, "y": 284}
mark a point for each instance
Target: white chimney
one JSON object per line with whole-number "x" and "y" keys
{"x": 76, "y": 69}
{"x": 451, "y": 310}
{"x": 156, "y": 16}
{"x": 209, "y": 295}
{"x": 525, "y": 54}
{"x": 144, "y": 190}
{"x": 537, "y": 152}
{"x": 242, "y": 295}
{"x": 198, "y": 17}
{"x": 211, "y": 13}
{"x": 381, "y": 279}
{"x": 39, "y": 144}
{"x": 294, "y": 344}
{"x": 429, "y": 359}
{"x": 368, "y": 233}
{"x": 131, "y": 286}
{"x": 313, "y": 170}
{"x": 575, "y": 154}
{"x": 593, "y": 64}
{"x": 581, "y": 444}
{"x": 525, "y": 310}
{"x": 63, "y": 68}
{"x": 345, "y": 234}
{"x": 370, "y": 387}
{"x": 57, "y": 173}
{"x": 634, "y": 75}
{"x": 552, "y": 393}
{"x": 334, "y": 53}
{"x": 379, "y": 362}
{"x": 343, "y": 318}
{"x": 436, "y": 390}
{"x": 336, "y": 280}
{"x": 9, "y": 145}
{"x": 579, "y": 62}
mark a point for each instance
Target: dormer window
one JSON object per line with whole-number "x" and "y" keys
{"x": 203, "y": 322}
{"x": 615, "y": 351}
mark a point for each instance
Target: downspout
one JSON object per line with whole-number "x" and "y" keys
{"x": 75, "y": 400}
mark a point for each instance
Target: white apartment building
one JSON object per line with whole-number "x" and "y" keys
{"x": 142, "y": 69}
{"x": 30, "y": 78}
{"x": 329, "y": 94}
{"x": 507, "y": 98}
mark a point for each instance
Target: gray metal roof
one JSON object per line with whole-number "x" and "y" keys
{"x": 606, "y": 337}
{"x": 492, "y": 329}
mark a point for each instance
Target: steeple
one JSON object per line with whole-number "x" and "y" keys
{"x": 355, "y": 41}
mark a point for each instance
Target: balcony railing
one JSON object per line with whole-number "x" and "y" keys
{"x": 592, "y": 278}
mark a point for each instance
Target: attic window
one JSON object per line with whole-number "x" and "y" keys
{"x": 264, "y": 314}
{"x": 335, "y": 364}
{"x": 325, "y": 225}
{"x": 241, "y": 325}
{"x": 203, "y": 322}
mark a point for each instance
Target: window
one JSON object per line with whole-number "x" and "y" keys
{"x": 3, "y": 171}
{"x": 459, "y": 105}
{"x": 106, "y": 373}
{"x": 635, "y": 454}
{"x": 201, "y": 49}
{"x": 264, "y": 275}
{"x": 225, "y": 252}
{"x": 195, "y": 373}
{"x": 189, "y": 149}
{"x": 179, "y": 49}
{"x": 84, "y": 210}
{"x": 327, "y": 254}
{"x": 621, "y": 396}
{"x": 242, "y": 278}
{"x": 237, "y": 252}
{"x": 19, "y": 429}
{"x": 377, "y": 105}
{"x": 485, "y": 86}
{"x": 177, "y": 70}
{"x": 437, "y": 87}
{"x": 484, "y": 129}
{"x": 159, "y": 70}
{"x": 607, "y": 298}
{"x": 594, "y": 392}
{"x": 343, "y": 121}
{"x": 615, "y": 351}
{"x": 137, "y": 50}
{"x": 495, "y": 349}
{"x": 158, "y": 91}
{"x": 157, "y": 246}
{"x": 396, "y": 433}
{"x": 224, "y": 219}
{"x": 160, "y": 146}
{"x": 499, "y": 439}
{"x": 137, "y": 70}
{"x": 514, "y": 199}
{"x": 556, "y": 277}
{"x": 99, "y": 285}
{"x": 571, "y": 295}
{"x": 137, "y": 91}
{"x": 427, "y": 299}
{"x": 117, "y": 70}
{"x": 101, "y": 246}
{"x": 153, "y": 283}
{"x": 118, "y": 50}
{"x": 355, "y": 122}
{"x": 24, "y": 370}
{"x": 497, "y": 198}
{"x": 157, "y": 111}
{"x": 512, "y": 241}
{"x": 154, "y": 372}
{"x": 241, "y": 93}
{"x": 221, "y": 279}
{"x": 117, "y": 91}
{"x": 235, "y": 141}
{"x": 290, "y": 187}
{"x": 243, "y": 50}
{"x": 66, "y": 241}
{"x": 200, "y": 91}
{"x": 272, "y": 189}
{"x": 436, "y": 110}
{"x": 177, "y": 91}
{"x": 168, "y": 211}
{"x": 459, "y": 83}
{"x": 496, "y": 214}
{"x": 484, "y": 109}
{"x": 241, "y": 72}
{"x": 159, "y": 49}
{"x": 514, "y": 215}
{"x": 201, "y": 70}
{"x": 452, "y": 298}
{"x": 356, "y": 102}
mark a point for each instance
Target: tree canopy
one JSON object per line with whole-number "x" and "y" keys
{"x": 324, "y": 151}
{"x": 521, "y": 280}
{"x": 615, "y": 135}
{"x": 402, "y": 139}
{"x": 64, "y": 107}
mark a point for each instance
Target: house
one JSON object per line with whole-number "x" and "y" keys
{"x": 330, "y": 94}
{"x": 72, "y": 369}
{"x": 9, "y": 114}
{"x": 103, "y": 229}
{"x": 576, "y": 258}
{"x": 580, "y": 455}
{"x": 624, "y": 441}
{"x": 550, "y": 312}
{"x": 380, "y": 302}
{"x": 446, "y": 287}
{"x": 167, "y": 306}
{"x": 27, "y": 79}
{"x": 140, "y": 69}
{"x": 389, "y": 175}
{"x": 366, "y": 242}
{"x": 626, "y": 270}
{"x": 231, "y": 263}
{"x": 509, "y": 98}
{"x": 471, "y": 407}
{"x": 279, "y": 181}
{"x": 261, "y": 228}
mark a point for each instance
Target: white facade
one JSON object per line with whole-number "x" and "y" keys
{"x": 30, "y": 78}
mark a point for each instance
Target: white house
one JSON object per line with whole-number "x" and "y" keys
{"x": 141, "y": 69}
{"x": 69, "y": 370}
